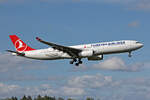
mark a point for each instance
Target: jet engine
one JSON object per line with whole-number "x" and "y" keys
{"x": 99, "y": 57}
{"x": 87, "y": 53}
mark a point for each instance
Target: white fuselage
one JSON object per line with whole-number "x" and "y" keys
{"x": 98, "y": 49}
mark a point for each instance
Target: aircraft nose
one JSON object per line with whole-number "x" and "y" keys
{"x": 141, "y": 45}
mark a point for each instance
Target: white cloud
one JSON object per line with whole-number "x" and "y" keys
{"x": 142, "y": 5}
{"x": 16, "y": 90}
{"x": 135, "y": 88}
{"x": 74, "y": 86}
{"x": 134, "y": 24}
{"x": 43, "y": 89}
{"x": 114, "y": 64}
{"x": 134, "y": 4}
{"x": 73, "y": 91}
{"x": 130, "y": 4}
{"x": 101, "y": 86}
{"x": 8, "y": 88}
{"x": 92, "y": 81}
{"x": 15, "y": 63}
{"x": 12, "y": 68}
{"x": 8, "y": 62}
{"x": 117, "y": 64}
{"x": 106, "y": 87}
{"x": 145, "y": 6}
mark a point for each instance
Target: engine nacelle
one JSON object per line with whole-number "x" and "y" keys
{"x": 87, "y": 53}
{"x": 99, "y": 57}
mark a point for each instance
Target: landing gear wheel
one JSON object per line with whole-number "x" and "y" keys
{"x": 75, "y": 60}
{"x": 71, "y": 62}
{"x": 77, "y": 64}
{"x": 80, "y": 62}
{"x": 130, "y": 55}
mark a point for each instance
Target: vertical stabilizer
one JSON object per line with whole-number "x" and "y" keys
{"x": 19, "y": 44}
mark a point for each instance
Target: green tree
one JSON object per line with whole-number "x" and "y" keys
{"x": 88, "y": 98}
{"x": 14, "y": 98}
{"x": 69, "y": 99}
{"x": 46, "y": 97}
{"x": 24, "y": 98}
{"x": 60, "y": 98}
{"x": 39, "y": 97}
{"x": 29, "y": 98}
{"x": 52, "y": 98}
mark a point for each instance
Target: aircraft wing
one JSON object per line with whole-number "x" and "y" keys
{"x": 71, "y": 51}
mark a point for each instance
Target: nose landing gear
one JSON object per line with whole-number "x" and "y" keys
{"x": 130, "y": 55}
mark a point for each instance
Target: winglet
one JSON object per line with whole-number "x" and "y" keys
{"x": 37, "y": 38}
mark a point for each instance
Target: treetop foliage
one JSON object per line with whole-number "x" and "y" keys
{"x": 39, "y": 97}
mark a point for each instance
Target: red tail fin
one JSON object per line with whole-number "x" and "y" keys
{"x": 19, "y": 44}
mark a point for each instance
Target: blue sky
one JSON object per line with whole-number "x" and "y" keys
{"x": 71, "y": 22}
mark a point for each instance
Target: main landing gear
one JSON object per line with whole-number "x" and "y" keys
{"x": 77, "y": 61}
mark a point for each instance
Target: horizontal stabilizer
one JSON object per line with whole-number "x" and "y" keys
{"x": 18, "y": 53}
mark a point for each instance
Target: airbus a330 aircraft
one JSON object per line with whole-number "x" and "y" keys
{"x": 93, "y": 51}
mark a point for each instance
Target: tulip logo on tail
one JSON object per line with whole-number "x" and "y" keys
{"x": 20, "y": 45}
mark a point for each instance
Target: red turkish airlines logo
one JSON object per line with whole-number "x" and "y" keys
{"x": 20, "y": 46}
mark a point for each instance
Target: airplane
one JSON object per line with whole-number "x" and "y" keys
{"x": 94, "y": 51}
